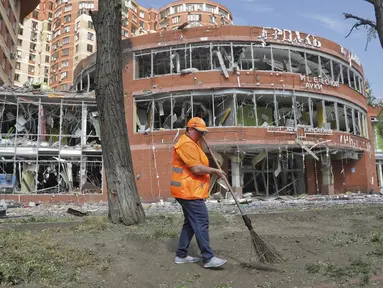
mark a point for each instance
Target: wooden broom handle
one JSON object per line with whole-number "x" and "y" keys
{"x": 224, "y": 177}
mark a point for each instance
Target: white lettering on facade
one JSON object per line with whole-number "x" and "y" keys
{"x": 350, "y": 56}
{"x": 307, "y": 130}
{"x": 316, "y": 83}
{"x": 289, "y": 36}
{"x": 355, "y": 142}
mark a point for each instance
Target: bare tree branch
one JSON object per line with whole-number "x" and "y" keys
{"x": 361, "y": 21}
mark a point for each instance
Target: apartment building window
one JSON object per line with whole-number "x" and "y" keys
{"x": 165, "y": 13}
{"x": 90, "y": 36}
{"x": 142, "y": 24}
{"x": 49, "y": 28}
{"x": 142, "y": 14}
{"x": 31, "y": 68}
{"x": 32, "y": 57}
{"x": 66, "y": 40}
{"x": 58, "y": 13}
{"x": 35, "y": 14}
{"x": 90, "y": 25}
{"x": 18, "y": 65}
{"x": 66, "y": 29}
{"x": 194, "y": 17}
{"x": 134, "y": 18}
{"x": 19, "y": 54}
{"x": 65, "y": 63}
{"x": 17, "y": 77}
{"x": 47, "y": 48}
{"x": 178, "y": 8}
{"x": 86, "y": 5}
{"x": 34, "y": 25}
{"x": 176, "y": 19}
{"x": 67, "y": 18}
{"x": 20, "y": 31}
{"x": 68, "y": 8}
{"x": 9, "y": 11}
{"x": 213, "y": 19}
{"x": 89, "y": 48}
{"x": 46, "y": 59}
{"x": 76, "y": 48}
{"x": 65, "y": 52}
{"x": 1, "y": 21}
{"x": 14, "y": 25}
{"x": 19, "y": 42}
{"x": 76, "y": 37}
{"x": 3, "y": 61}
{"x": 50, "y": 16}
{"x": 50, "y": 6}
{"x": 193, "y": 7}
{"x": 64, "y": 75}
{"x": 210, "y": 8}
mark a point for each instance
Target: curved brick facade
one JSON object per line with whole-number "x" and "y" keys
{"x": 295, "y": 97}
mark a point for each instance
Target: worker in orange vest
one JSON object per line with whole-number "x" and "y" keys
{"x": 190, "y": 187}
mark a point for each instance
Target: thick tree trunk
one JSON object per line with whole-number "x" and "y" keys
{"x": 379, "y": 19}
{"x": 124, "y": 202}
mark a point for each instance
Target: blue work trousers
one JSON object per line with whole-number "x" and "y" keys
{"x": 196, "y": 223}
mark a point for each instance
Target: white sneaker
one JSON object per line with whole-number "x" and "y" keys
{"x": 187, "y": 259}
{"x": 214, "y": 263}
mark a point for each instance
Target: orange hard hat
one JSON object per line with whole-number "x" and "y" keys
{"x": 198, "y": 124}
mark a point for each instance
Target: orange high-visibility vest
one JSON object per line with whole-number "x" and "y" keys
{"x": 185, "y": 184}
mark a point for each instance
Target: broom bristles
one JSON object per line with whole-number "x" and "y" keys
{"x": 266, "y": 253}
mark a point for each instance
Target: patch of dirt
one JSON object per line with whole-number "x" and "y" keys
{"x": 339, "y": 247}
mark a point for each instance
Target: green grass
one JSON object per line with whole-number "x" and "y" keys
{"x": 37, "y": 257}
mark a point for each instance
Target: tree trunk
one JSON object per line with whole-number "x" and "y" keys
{"x": 379, "y": 19}
{"x": 124, "y": 202}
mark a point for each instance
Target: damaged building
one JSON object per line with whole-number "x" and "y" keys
{"x": 50, "y": 145}
{"x": 287, "y": 110}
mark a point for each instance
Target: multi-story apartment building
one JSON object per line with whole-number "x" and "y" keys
{"x": 193, "y": 13}
{"x": 34, "y": 44}
{"x": 11, "y": 14}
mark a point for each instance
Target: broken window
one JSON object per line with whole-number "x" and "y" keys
{"x": 182, "y": 110}
{"x": 358, "y": 124}
{"x": 326, "y": 68}
{"x": 346, "y": 75}
{"x": 342, "y": 114}
{"x": 319, "y": 114}
{"x": 224, "y": 107}
{"x": 285, "y": 111}
{"x": 71, "y": 125}
{"x": 352, "y": 83}
{"x": 265, "y": 110}
{"x": 313, "y": 65}
{"x": 8, "y": 114}
{"x": 246, "y": 114}
{"x": 222, "y": 56}
{"x": 93, "y": 132}
{"x": 242, "y": 57}
{"x": 281, "y": 60}
{"x": 303, "y": 111}
{"x": 338, "y": 71}
{"x": 298, "y": 62}
{"x": 201, "y": 58}
{"x": 161, "y": 62}
{"x": 143, "y": 113}
{"x": 350, "y": 120}
{"x": 180, "y": 59}
{"x": 331, "y": 119}
{"x": 203, "y": 108}
{"x": 162, "y": 113}
{"x": 143, "y": 66}
{"x": 262, "y": 58}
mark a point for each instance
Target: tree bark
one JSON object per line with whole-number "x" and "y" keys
{"x": 123, "y": 198}
{"x": 378, "y": 4}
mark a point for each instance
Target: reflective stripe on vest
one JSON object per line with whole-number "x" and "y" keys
{"x": 178, "y": 170}
{"x": 175, "y": 184}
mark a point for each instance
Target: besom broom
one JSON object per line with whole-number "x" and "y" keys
{"x": 265, "y": 252}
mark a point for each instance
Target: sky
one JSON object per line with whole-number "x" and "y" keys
{"x": 320, "y": 18}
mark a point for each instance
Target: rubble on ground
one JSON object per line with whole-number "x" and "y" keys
{"x": 225, "y": 206}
